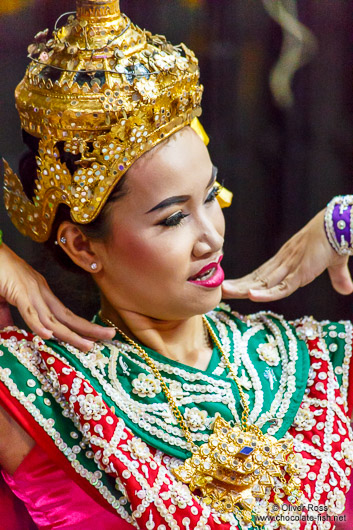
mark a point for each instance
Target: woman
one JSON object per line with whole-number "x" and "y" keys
{"x": 170, "y": 419}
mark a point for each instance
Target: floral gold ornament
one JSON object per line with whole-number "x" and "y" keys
{"x": 236, "y": 467}
{"x": 239, "y": 465}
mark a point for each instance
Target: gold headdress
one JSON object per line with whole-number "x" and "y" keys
{"x": 103, "y": 89}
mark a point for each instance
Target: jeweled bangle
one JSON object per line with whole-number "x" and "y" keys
{"x": 339, "y": 224}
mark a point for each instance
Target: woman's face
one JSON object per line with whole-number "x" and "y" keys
{"x": 164, "y": 231}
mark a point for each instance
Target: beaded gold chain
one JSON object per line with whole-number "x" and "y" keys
{"x": 239, "y": 464}
{"x": 158, "y": 376}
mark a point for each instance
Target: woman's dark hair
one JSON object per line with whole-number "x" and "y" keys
{"x": 97, "y": 229}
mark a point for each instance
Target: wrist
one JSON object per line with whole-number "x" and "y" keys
{"x": 338, "y": 223}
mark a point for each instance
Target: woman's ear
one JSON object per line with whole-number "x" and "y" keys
{"x": 78, "y": 247}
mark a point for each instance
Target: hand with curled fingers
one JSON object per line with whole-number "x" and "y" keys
{"x": 298, "y": 262}
{"x": 26, "y": 289}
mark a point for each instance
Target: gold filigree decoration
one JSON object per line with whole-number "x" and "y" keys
{"x": 106, "y": 91}
{"x": 236, "y": 467}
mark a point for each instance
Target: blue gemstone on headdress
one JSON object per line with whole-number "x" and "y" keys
{"x": 245, "y": 451}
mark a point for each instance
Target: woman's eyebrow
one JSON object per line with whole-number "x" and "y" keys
{"x": 179, "y": 199}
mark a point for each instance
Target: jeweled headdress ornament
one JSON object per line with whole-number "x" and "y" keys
{"x": 105, "y": 90}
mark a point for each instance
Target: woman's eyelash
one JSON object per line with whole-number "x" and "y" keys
{"x": 213, "y": 193}
{"x": 175, "y": 219}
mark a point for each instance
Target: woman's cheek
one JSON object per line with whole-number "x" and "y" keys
{"x": 136, "y": 250}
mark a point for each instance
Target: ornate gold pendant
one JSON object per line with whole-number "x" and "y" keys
{"x": 237, "y": 467}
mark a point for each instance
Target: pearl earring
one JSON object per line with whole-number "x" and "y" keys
{"x": 94, "y": 266}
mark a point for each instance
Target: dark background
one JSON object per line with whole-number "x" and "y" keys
{"x": 282, "y": 165}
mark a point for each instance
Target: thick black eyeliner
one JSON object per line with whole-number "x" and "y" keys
{"x": 213, "y": 193}
{"x": 177, "y": 217}
{"x": 174, "y": 219}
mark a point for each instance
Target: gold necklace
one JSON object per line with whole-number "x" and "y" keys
{"x": 239, "y": 463}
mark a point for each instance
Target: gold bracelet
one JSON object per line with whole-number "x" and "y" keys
{"x": 1, "y": 240}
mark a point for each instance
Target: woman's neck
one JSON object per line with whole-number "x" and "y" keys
{"x": 184, "y": 341}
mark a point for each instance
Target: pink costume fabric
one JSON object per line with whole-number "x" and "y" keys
{"x": 65, "y": 505}
{"x": 71, "y": 509}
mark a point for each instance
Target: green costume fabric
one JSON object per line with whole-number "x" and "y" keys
{"x": 125, "y": 382}
{"x": 265, "y": 351}
{"x": 270, "y": 356}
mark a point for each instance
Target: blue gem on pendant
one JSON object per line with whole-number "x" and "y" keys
{"x": 245, "y": 451}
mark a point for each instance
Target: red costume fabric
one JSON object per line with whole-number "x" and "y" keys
{"x": 322, "y": 439}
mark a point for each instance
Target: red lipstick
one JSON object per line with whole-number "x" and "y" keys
{"x": 211, "y": 276}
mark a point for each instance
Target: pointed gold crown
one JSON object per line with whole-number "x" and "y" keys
{"x": 105, "y": 90}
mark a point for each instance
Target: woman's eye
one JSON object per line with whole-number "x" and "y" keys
{"x": 213, "y": 193}
{"x": 175, "y": 219}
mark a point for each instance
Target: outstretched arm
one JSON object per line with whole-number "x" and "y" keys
{"x": 45, "y": 315}
{"x": 304, "y": 257}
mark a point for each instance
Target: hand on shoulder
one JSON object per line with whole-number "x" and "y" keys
{"x": 26, "y": 289}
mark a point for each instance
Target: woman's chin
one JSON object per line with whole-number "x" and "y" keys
{"x": 180, "y": 308}
{"x": 206, "y": 300}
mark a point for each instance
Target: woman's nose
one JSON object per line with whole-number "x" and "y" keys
{"x": 209, "y": 242}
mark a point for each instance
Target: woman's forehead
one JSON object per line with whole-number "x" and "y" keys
{"x": 180, "y": 158}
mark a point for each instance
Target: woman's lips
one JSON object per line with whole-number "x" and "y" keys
{"x": 210, "y": 276}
